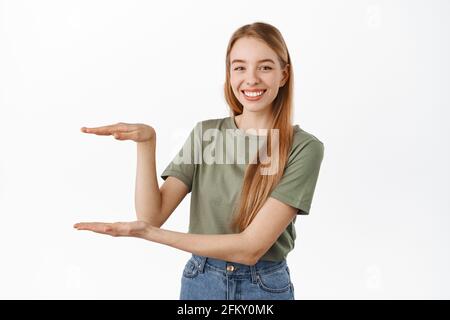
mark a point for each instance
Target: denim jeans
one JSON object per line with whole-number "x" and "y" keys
{"x": 206, "y": 278}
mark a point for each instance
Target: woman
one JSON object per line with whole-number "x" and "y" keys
{"x": 242, "y": 212}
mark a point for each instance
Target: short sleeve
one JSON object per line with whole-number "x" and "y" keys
{"x": 184, "y": 163}
{"x": 296, "y": 187}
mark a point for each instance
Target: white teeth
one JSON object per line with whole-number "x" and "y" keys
{"x": 253, "y": 94}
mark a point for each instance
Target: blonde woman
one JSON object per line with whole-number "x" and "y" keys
{"x": 244, "y": 199}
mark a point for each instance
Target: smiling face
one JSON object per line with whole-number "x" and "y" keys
{"x": 255, "y": 74}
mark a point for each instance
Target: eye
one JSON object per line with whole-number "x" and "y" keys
{"x": 265, "y": 68}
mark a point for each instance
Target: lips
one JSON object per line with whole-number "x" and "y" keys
{"x": 254, "y": 90}
{"x": 254, "y": 98}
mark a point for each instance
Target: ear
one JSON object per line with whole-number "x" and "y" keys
{"x": 285, "y": 72}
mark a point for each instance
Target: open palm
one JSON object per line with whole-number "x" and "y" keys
{"x": 117, "y": 229}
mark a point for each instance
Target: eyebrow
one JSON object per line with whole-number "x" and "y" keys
{"x": 243, "y": 61}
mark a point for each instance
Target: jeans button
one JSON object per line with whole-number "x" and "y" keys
{"x": 230, "y": 268}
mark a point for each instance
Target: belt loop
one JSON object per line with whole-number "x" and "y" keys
{"x": 253, "y": 272}
{"x": 201, "y": 263}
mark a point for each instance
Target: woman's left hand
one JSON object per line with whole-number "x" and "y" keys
{"x": 138, "y": 229}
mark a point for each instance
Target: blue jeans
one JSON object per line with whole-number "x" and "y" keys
{"x": 212, "y": 279}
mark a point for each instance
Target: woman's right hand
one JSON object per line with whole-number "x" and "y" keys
{"x": 125, "y": 131}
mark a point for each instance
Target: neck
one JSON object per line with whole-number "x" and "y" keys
{"x": 254, "y": 120}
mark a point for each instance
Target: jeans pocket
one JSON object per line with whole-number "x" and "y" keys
{"x": 191, "y": 268}
{"x": 275, "y": 281}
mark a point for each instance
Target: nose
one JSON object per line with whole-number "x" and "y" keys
{"x": 252, "y": 77}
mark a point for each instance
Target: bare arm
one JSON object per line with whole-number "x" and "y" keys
{"x": 147, "y": 193}
{"x": 173, "y": 192}
{"x": 246, "y": 247}
{"x": 230, "y": 247}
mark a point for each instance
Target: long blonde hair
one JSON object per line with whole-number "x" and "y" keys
{"x": 257, "y": 187}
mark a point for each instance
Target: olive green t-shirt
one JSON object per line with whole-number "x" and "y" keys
{"x": 212, "y": 164}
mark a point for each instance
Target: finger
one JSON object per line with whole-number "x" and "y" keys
{"x": 113, "y": 229}
{"x": 102, "y": 228}
{"x": 79, "y": 224}
{"x": 106, "y": 130}
{"x": 91, "y": 226}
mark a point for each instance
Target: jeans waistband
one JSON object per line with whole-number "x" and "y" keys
{"x": 262, "y": 266}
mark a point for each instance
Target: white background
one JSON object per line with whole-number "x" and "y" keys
{"x": 372, "y": 82}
